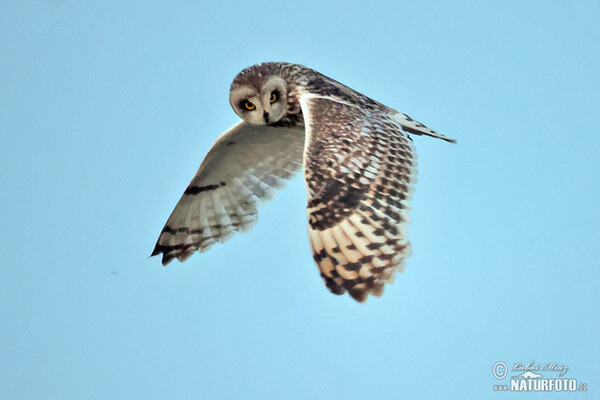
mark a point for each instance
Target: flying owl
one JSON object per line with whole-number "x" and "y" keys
{"x": 359, "y": 167}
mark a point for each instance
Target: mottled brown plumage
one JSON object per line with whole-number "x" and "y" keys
{"x": 359, "y": 166}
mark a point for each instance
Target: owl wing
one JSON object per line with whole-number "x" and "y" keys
{"x": 360, "y": 167}
{"x": 243, "y": 168}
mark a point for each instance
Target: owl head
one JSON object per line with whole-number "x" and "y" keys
{"x": 257, "y": 99}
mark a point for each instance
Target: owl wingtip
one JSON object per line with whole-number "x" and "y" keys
{"x": 360, "y": 296}
{"x": 165, "y": 258}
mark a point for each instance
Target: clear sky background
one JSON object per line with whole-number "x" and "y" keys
{"x": 107, "y": 109}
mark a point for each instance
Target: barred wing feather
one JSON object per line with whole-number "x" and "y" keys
{"x": 244, "y": 168}
{"x": 360, "y": 168}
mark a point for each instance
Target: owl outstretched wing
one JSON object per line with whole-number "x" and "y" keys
{"x": 242, "y": 169}
{"x": 360, "y": 167}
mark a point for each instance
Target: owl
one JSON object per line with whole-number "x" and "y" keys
{"x": 359, "y": 167}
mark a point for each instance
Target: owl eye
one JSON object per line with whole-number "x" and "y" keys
{"x": 247, "y": 105}
{"x": 274, "y": 97}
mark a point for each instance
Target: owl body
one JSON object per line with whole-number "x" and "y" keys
{"x": 359, "y": 166}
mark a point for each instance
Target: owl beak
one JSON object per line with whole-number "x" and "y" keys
{"x": 266, "y": 117}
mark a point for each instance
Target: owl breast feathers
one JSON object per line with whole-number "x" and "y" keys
{"x": 359, "y": 165}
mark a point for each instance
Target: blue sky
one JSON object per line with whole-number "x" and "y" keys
{"x": 108, "y": 108}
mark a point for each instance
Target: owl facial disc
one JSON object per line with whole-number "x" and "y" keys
{"x": 262, "y": 102}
